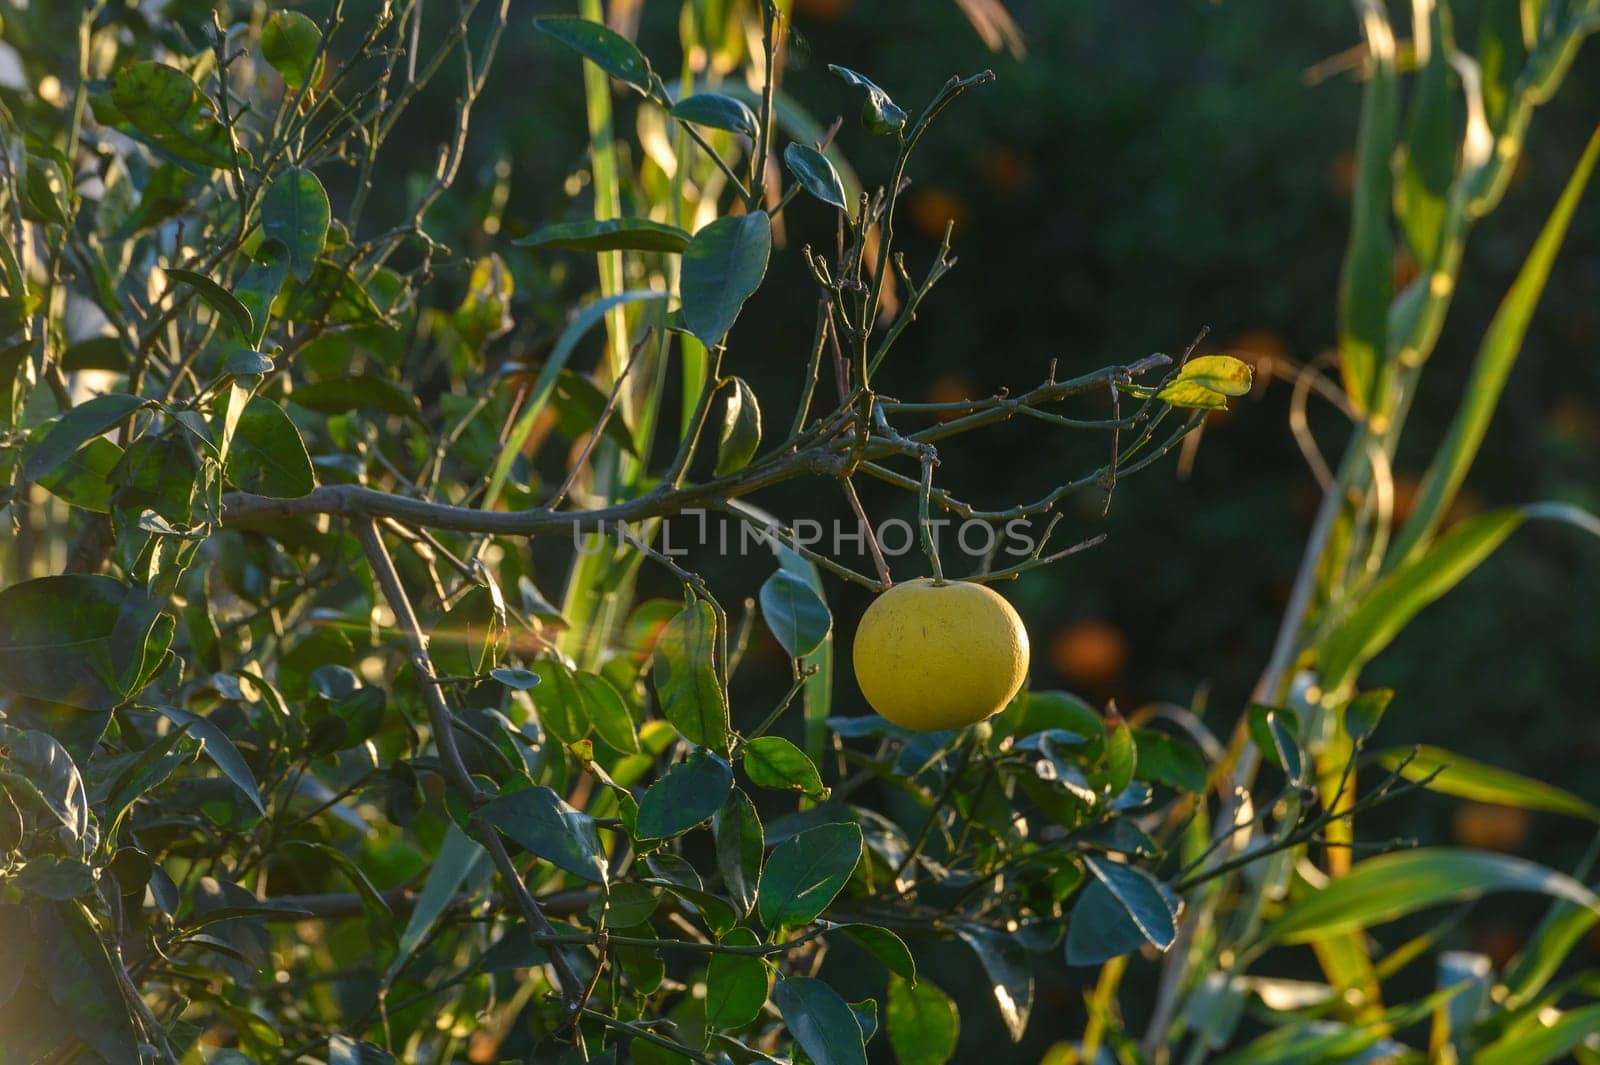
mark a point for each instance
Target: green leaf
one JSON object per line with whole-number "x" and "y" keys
{"x": 1362, "y": 714}
{"x": 485, "y": 310}
{"x": 75, "y": 428}
{"x": 150, "y": 768}
{"x": 80, "y": 640}
{"x": 83, "y": 478}
{"x": 294, "y": 210}
{"x": 68, "y": 1004}
{"x": 332, "y": 294}
{"x": 540, "y": 822}
{"x": 517, "y": 679}
{"x": 795, "y": 613}
{"x": 805, "y": 873}
{"x": 629, "y": 904}
{"x": 1365, "y": 283}
{"x": 1321, "y": 1042}
{"x": 459, "y": 861}
{"x": 1391, "y": 886}
{"x": 736, "y": 984}
{"x": 1503, "y": 54}
{"x": 1204, "y": 383}
{"x": 50, "y": 775}
{"x": 1428, "y": 151}
{"x": 923, "y": 1023}
{"x": 259, "y": 284}
{"x": 1543, "y": 1042}
{"x": 1122, "y": 758}
{"x": 342, "y": 1050}
{"x": 1276, "y": 732}
{"x": 741, "y": 430}
{"x": 289, "y": 43}
{"x": 884, "y": 945}
{"x": 610, "y": 51}
{"x": 686, "y": 677}
{"x": 816, "y": 175}
{"x": 1100, "y": 928}
{"x": 1164, "y": 759}
{"x": 722, "y": 266}
{"x": 1151, "y": 907}
{"x": 740, "y": 843}
{"x": 716, "y": 111}
{"x": 55, "y": 877}
{"x": 612, "y": 234}
{"x": 609, "y": 715}
{"x": 1466, "y": 779}
{"x": 218, "y": 298}
{"x": 362, "y": 391}
{"x": 560, "y": 701}
{"x": 1010, "y": 972}
{"x": 1397, "y": 598}
{"x": 267, "y": 456}
{"x": 166, "y": 107}
{"x": 220, "y": 749}
{"x": 1481, "y": 394}
{"x": 879, "y": 114}
{"x": 247, "y": 363}
{"x": 774, "y": 762}
{"x": 820, "y": 1021}
{"x": 686, "y": 795}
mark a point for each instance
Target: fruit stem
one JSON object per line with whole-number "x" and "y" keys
{"x": 930, "y": 545}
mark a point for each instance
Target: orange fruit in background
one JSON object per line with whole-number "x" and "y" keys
{"x": 952, "y": 387}
{"x": 1007, "y": 171}
{"x": 826, "y": 10}
{"x": 933, "y": 208}
{"x": 1092, "y": 652}
{"x": 1490, "y": 827}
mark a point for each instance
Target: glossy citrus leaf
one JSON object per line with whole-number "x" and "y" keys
{"x": 716, "y": 111}
{"x": 816, "y": 175}
{"x": 605, "y": 48}
{"x": 294, "y": 211}
{"x": 167, "y": 109}
{"x": 736, "y": 984}
{"x": 741, "y": 430}
{"x": 686, "y": 677}
{"x": 795, "y": 613}
{"x": 722, "y": 267}
{"x": 540, "y": 822}
{"x": 267, "y": 456}
{"x": 821, "y": 1022}
{"x": 923, "y": 1023}
{"x": 289, "y": 43}
{"x": 806, "y": 871}
{"x": 687, "y": 794}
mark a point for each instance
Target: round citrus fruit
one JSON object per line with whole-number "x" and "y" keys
{"x": 932, "y": 656}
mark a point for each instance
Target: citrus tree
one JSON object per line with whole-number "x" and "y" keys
{"x": 341, "y": 722}
{"x": 308, "y": 752}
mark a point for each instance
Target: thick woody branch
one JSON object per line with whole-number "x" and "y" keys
{"x": 827, "y": 458}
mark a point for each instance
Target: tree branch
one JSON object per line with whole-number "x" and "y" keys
{"x": 455, "y": 770}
